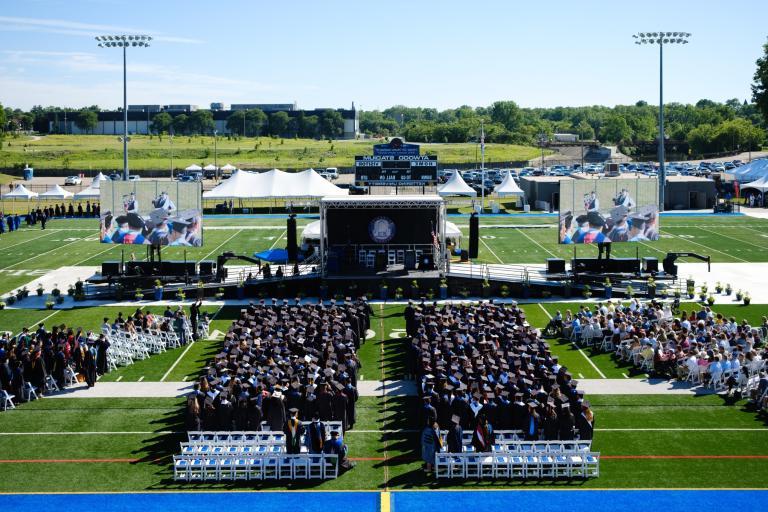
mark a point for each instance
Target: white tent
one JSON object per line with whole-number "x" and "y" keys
{"x": 228, "y": 167}
{"x": 508, "y": 187}
{"x": 99, "y": 177}
{"x": 57, "y": 193}
{"x": 456, "y": 186}
{"x": 91, "y": 192}
{"x": 20, "y": 192}
{"x": 209, "y": 167}
{"x": 193, "y": 167}
{"x": 274, "y": 184}
{"x": 760, "y": 184}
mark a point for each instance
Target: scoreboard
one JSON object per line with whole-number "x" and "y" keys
{"x": 395, "y": 170}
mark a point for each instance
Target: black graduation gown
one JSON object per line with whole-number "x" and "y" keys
{"x": 254, "y": 416}
{"x": 551, "y": 427}
{"x": 101, "y": 356}
{"x": 293, "y": 441}
{"x": 352, "y": 396}
{"x": 316, "y": 433}
{"x": 586, "y": 430}
{"x": 89, "y": 366}
{"x": 324, "y": 406}
{"x": 454, "y": 438}
{"x": 274, "y": 413}
{"x": 340, "y": 409}
{"x": 566, "y": 425}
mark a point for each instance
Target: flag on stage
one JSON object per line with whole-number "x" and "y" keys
{"x": 435, "y": 241}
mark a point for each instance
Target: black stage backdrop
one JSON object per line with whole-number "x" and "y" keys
{"x": 355, "y": 226}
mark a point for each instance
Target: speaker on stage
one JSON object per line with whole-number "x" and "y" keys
{"x": 206, "y": 267}
{"x": 427, "y": 262}
{"x": 110, "y": 268}
{"x": 464, "y": 255}
{"x": 292, "y": 248}
{"x": 650, "y": 264}
{"x": 410, "y": 259}
{"x": 555, "y": 266}
{"x": 474, "y": 235}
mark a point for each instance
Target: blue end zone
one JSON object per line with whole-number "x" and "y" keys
{"x": 191, "y": 501}
{"x": 578, "y": 501}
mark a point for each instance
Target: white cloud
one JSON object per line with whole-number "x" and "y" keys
{"x": 66, "y": 27}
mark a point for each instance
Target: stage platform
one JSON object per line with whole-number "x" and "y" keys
{"x": 391, "y": 272}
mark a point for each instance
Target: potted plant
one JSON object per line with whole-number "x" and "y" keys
{"x": 587, "y": 291}
{"x": 651, "y": 285}
{"x": 690, "y": 290}
{"x": 739, "y": 295}
{"x": 181, "y": 296}
{"x": 398, "y": 293}
{"x": 430, "y": 293}
{"x": 630, "y": 291}
{"x": 504, "y": 290}
{"x": 158, "y": 290}
{"x": 704, "y": 288}
{"x": 200, "y": 290}
{"x": 220, "y": 294}
{"x": 443, "y": 289}
{"x": 55, "y": 292}
{"x": 71, "y": 291}
{"x": 2, "y": 305}
{"x": 747, "y": 299}
{"x": 60, "y": 299}
{"x": 139, "y": 294}
{"x": 677, "y": 295}
{"x": 486, "y": 288}
{"x": 78, "y": 286}
{"x": 383, "y": 288}
{"x": 49, "y": 303}
{"x": 24, "y": 292}
{"x": 19, "y": 294}
{"x": 11, "y": 300}
{"x": 414, "y": 289}
{"x": 718, "y": 287}
{"x": 79, "y": 296}
{"x": 40, "y": 289}
{"x": 728, "y": 289}
{"x": 464, "y": 292}
{"x": 710, "y": 299}
{"x": 608, "y": 288}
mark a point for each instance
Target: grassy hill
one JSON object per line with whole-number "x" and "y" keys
{"x": 102, "y": 152}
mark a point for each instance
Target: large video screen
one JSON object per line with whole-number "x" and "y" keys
{"x": 151, "y": 213}
{"x": 380, "y": 226}
{"x": 608, "y": 210}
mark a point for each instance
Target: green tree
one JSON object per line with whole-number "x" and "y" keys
{"x": 162, "y": 123}
{"x": 236, "y": 122}
{"x": 278, "y": 123}
{"x": 331, "y": 124}
{"x": 506, "y": 113}
{"x": 3, "y": 120}
{"x": 180, "y": 123}
{"x": 701, "y": 139}
{"x": 201, "y": 121}
{"x": 86, "y": 120}
{"x": 585, "y": 131}
{"x": 760, "y": 85}
{"x": 616, "y": 130}
{"x": 255, "y": 121}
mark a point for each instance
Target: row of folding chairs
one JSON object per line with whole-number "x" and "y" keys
{"x": 283, "y": 467}
{"x": 236, "y": 437}
{"x": 517, "y": 467}
{"x": 233, "y": 450}
{"x": 540, "y": 447}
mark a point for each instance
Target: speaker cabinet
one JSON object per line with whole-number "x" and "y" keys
{"x": 206, "y": 267}
{"x": 474, "y": 235}
{"x": 110, "y": 268}
{"x": 650, "y": 264}
{"x": 291, "y": 247}
{"x": 555, "y": 266}
{"x": 410, "y": 260}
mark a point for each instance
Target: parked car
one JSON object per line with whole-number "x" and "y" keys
{"x": 209, "y": 174}
{"x": 115, "y": 176}
{"x": 134, "y": 177}
{"x": 73, "y": 180}
{"x": 333, "y": 172}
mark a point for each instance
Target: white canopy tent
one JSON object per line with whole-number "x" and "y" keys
{"x": 97, "y": 180}
{"x": 274, "y": 184}
{"x": 228, "y": 167}
{"x": 193, "y": 167}
{"x": 508, "y": 187}
{"x": 209, "y": 167}
{"x": 456, "y": 186}
{"x": 20, "y": 192}
{"x": 56, "y": 193}
{"x": 760, "y": 184}
{"x": 91, "y": 192}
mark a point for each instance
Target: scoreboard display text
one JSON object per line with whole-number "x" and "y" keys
{"x": 395, "y": 170}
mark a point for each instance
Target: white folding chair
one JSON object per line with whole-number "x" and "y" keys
{"x": 486, "y": 466}
{"x": 7, "y": 400}
{"x": 457, "y": 465}
{"x": 442, "y": 466}
{"x": 501, "y": 466}
{"x": 29, "y": 392}
{"x": 300, "y": 467}
{"x": 180, "y": 468}
{"x": 315, "y": 466}
{"x": 532, "y": 466}
{"x": 592, "y": 465}
{"x": 472, "y": 466}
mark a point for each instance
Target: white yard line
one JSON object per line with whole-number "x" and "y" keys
{"x": 140, "y": 379}
{"x": 278, "y": 239}
{"x": 625, "y": 375}
{"x": 94, "y": 255}
{"x": 537, "y": 243}
{"x": 761, "y": 247}
{"x": 59, "y": 433}
{"x": 44, "y": 253}
{"x": 581, "y": 375}
{"x": 705, "y": 246}
{"x": 119, "y": 379}
{"x": 162, "y": 379}
{"x": 490, "y": 250}
{"x": 602, "y": 375}
{"x": 4, "y": 247}
{"x": 221, "y": 244}
{"x": 44, "y": 319}
{"x": 652, "y": 247}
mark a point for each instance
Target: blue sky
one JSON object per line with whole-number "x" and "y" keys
{"x": 419, "y": 53}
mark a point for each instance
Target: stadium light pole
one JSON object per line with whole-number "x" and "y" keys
{"x": 124, "y": 41}
{"x": 661, "y": 39}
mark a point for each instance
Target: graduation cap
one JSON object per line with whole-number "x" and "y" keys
{"x": 456, "y": 419}
{"x": 293, "y": 410}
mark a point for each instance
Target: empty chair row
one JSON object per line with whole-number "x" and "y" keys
{"x": 283, "y": 467}
{"x": 521, "y": 467}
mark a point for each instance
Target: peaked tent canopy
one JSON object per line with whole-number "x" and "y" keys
{"x": 508, "y": 187}
{"x": 209, "y": 167}
{"x": 456, "y": 186}
{"x": 759, "y": 184}
{"x": 91, "y": 192}
{"x": 228, "y": 167}
{"x": 274, "y": 184}
{"x": 20, "y": 192}
{"x": 96, "y": 183}
{"x": 57, "y": 193}
{"x": 193, "y": 167}
{"x": 752, "y": 171}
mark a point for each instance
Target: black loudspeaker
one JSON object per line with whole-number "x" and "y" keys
{"x": 624, "y": 265}
{"x": 206, "y": 267}
{"x": 587, "y": 265}
{"x": 427, "y": 262}
{"x": 650, "y": 264}
{"x": 292, "y": 248}
{"x": 464, "y": 255}
{"x": 110, "y": 268}
{"x": 669, "y": 265}
{"x": 474, "y": 235}
{"x": 140, "y": 268}
{"x": 555, "y": 266}
{"x": 410, "y": 260}
{"x": 177, "y": 268}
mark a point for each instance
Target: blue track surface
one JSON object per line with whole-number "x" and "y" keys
{"x": 190, "y": 501}
{"x": 578, "y": 501}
